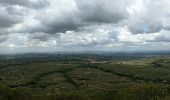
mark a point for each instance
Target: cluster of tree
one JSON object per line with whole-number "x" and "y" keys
{"x": 14, "y": 94}
{"x": 156, "y": 64}
{"x": 7, "y": 93}
{"x": 143, "y": 91}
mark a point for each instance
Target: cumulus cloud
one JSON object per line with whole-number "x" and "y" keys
{"x": 25, "y": 3}
{"x": 3, "y": 38}
{"x": 7, "y": 19}
{"x": 39, "y": 36}
{"x": 148, "y": 16}
{"x": 75, "y": 14}
{"x": 103, "y": 11}
{"x": 87, "y": 24}
{"x": 163, "y": 36}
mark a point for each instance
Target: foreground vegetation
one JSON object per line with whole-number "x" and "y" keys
{"x": 84, "y": 77}
{"x": 144, "y": 91}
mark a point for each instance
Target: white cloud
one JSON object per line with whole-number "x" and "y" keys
{"x": 126, "y": 36}
{"x": 85, "y": 24}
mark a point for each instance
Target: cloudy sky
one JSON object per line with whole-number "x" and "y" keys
{"x": 84, "y": 25}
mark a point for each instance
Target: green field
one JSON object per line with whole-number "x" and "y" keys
{"x": 88, "y": 78}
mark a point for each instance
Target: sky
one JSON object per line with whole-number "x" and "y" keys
{"x": 84, "y": 25}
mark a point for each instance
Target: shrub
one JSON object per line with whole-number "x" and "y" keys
{"x": 144, "y": 91}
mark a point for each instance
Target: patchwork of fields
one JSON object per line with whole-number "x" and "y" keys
{"x": 89, "y": 76}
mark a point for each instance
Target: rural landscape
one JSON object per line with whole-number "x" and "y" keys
{"x": 85, "y": 76}
{"x": 84, "y": 49}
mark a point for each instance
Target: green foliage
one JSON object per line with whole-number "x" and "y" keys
{"x": 156, "y": 64}
{"x": 7, "y": 93}
{"x": 13, "y": 94}
{"x": 145, "y": 91}
{"x": 88, "y": 76}
{"x": 63, "y": 96}
{"x": 4, "y": 92}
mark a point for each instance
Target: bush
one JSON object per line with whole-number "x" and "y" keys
{"x": 144, "y": 91}
{"x": 13, "y": 94}
{"x": 7, "y": 93}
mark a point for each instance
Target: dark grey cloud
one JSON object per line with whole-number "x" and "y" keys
{"x": 162, "y": 39}
{"x": 57, "y": 23}
{"x": 15, "y": 2}
{"x": 7, "y": 19}
{"x": 102, "y": 11}
{"x": 64, "y": 23}
{"x": 26, "y": 3}
{"x": 14, "y": 12}
{"x": 3, "y": 38}
{"x": 139, "y": 16}
{"x": 39, "y": 36}
{"x": 163, "y": 36}
{"x": 83, "y": 23}
{"x": 144, "y": 26}
{"x": 86, "y": 13}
